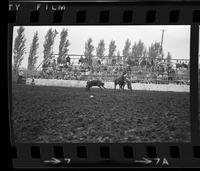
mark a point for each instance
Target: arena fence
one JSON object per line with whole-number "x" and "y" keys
{"x": 109, "y": 85}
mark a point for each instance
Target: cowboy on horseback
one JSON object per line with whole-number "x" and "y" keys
{"x": 127, "y": 81}
{"x": 122, "y": 80}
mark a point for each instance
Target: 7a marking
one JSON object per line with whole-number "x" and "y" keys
{"x": 164, "y": 161}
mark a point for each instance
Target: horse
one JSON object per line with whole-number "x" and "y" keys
{"x": 128, "y": 82}
{"x": 120, "y": 81}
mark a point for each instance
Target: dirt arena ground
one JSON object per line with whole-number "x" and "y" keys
{"x": 58, "y": 114}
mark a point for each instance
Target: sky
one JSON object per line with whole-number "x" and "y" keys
{"x": 176, "y": 38}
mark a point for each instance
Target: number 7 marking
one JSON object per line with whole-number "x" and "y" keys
{"x": 68, "y": 160}
{"x": 157, "y": 160}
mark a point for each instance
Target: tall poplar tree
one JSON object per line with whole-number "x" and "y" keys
{"x": 100, "y": 50}
{"x": 169, "y": 58}
{"x": 126, "y": 50}
{"x": 19, "y": 49}
{"x": 89, "y": 48}
{"x": 33, "y": 52}
{"x": 48, "y": 45}
{"x": 111, "y": 51}
{"x": 155, "y": 52}
{"x": 63, "y": 46}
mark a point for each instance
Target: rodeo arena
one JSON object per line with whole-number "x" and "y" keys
{"x": 139, "y": 74}
{"x": 102, "y": 101}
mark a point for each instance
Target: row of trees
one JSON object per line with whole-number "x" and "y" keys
{"x": 137, "y": 51}
{"x": 129, "y": 53}
{"x": 19, "y": 48}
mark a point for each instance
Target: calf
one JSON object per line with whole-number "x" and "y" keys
{"x": 92, "y": 83}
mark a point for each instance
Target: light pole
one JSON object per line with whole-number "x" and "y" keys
{"x": 162, "y": 37}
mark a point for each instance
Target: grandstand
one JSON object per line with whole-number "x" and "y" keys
{"x": 106, "y": 69}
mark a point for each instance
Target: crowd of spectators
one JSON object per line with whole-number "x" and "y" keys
{"x": 102, "y": 71}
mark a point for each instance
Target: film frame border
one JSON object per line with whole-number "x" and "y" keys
{"x": 112, "y": 154}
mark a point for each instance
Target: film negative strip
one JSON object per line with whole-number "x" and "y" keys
{"x": 104, "y": 84}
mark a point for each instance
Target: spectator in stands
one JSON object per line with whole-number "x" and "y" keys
{"x": 99, "y": 62}
{"x": 33, "y": 81}
{"x": 54, "y": 62}
{"x": 114, "y": 61}
{"x": 184, "y": 65}
{"x": 54, "y": 65}
{"x": 20, "y": 73}
{"x": 59, "y": 61}
{"x": 81, "y": 60}
{"x": 68, "y": 59}
{"x": 44, "y": 67}
{"x": 129, "y": 68}
{"x": 19, "y": 76}
{"x": 76, "y": 73}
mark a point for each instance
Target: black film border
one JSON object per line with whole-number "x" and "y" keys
{"x": 111, "y": 155}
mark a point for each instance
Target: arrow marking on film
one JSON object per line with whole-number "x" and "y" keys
{"x": 145, "y": 161}
{"x": 53, "y": 161}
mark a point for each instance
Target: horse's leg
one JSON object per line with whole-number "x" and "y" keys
{"x": 119, "y": 85}
{"x": 115, "y": 85}
{"x": 123, "y": 86}
{"x": 130, "y": 87}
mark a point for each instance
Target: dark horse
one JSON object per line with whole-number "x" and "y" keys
{"x": 122, "y": 81}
